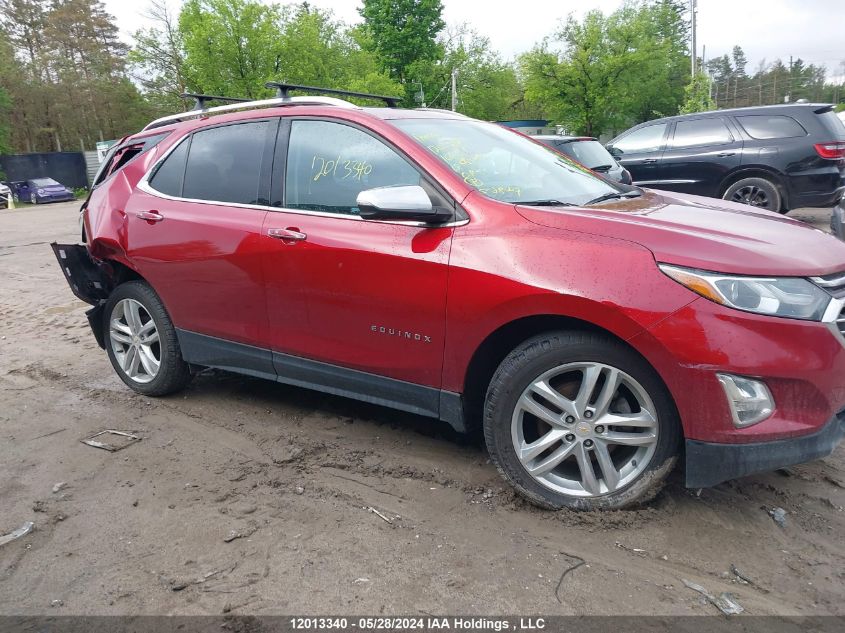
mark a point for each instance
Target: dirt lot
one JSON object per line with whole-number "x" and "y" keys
{"x": 293, "y": 473}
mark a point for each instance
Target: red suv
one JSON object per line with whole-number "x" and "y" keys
{"x": 426, "y": 261}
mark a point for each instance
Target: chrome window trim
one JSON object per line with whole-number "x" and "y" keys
{"x": 145, "y": 186}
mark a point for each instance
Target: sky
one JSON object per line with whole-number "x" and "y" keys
{"x": 766, "y": 29}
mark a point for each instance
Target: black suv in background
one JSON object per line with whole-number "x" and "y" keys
{"x": 777, "y": 157}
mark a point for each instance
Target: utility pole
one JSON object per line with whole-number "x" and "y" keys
{"x": 454, "y": 90}
{"x": 694, "y": 45}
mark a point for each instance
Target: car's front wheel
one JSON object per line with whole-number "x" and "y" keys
{"x": 141, "y": 341}
{"x": 576, "y": 419}
{"x": 33, "y": 198}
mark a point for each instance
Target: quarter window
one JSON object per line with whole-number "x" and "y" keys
{"x": 646, "y": 139}
{"x": 168, "y": 177}
{"x": 224, "y": 163}
{"x": 764, "y": 127}
{"x": 329, "y": 164}
{"x": 701, "y": 132}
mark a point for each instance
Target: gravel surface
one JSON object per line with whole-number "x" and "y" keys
{"x": 245, "y": 496}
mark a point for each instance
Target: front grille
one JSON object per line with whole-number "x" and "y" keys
{"x": 834, "y": 284}
{"x": 840, "y": 322}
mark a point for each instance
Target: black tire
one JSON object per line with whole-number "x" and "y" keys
{"x": 544, "y": 353}
{"x": 173, "y": 372}
{"x": 33, "y": 199}
{"x": 757, "y": 192}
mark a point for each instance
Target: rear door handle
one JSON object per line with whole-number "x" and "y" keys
{"x": 150, "y": 216}
{"x": 649, "y": 161}
{"x": 289, "y": 235}
{"x": 723, "y": 154}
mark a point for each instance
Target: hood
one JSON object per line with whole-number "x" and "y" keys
{"x": 705, "y": 233}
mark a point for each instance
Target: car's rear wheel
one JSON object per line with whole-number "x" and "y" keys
{"x": 578, "y": 420}
{"x": 757, "y": 192}
{"x": 141, "y": 341}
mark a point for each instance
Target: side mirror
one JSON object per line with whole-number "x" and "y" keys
{"x": 614, "y": 151}
{"x": 409, "y": 202}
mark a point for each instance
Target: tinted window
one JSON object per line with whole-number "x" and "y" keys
{"x": 646, "y": 139}
{"x": 701, "y": 132}
{"x": 762, "y": 127}
{"x": 224, "y": 163}
{"x": 329, "y": 164}
{"x": 168, "y": 177}
{"x": 591, "y": 154}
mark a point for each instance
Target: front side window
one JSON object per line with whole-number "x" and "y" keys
{"x": 224, "y": 163}
{"x": 329, "y": 164}
{"x": 764, "y": 127}
{"x": 701, "y": 132}
{"x": 503, "y": 165}
{"x": 646, "y": 139}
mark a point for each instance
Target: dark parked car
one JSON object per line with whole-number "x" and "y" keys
{"x": 40, "y": 190}
{"x": 776, "y": 157}
{"x": 590, "y": 153}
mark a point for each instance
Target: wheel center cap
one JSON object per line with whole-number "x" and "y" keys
{"x": 583, "y": 429}
{"x": 136, "y": 340}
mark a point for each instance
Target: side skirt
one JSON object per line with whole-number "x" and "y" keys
{"x": 210, "y": 351}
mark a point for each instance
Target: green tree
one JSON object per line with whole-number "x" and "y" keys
{"x": 697, "y": 95}
{"x": 157, "y": 59}
{"x": 231, "y": 46}
{"x": 403, "y": 34}
{"x": 606, "y": 72}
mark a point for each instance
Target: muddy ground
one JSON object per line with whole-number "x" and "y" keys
{"x": 293, "y": 474}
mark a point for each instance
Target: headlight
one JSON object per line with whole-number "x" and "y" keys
{"x": 791, "y": 297}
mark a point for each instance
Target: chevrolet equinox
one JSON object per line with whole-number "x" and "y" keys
{"x": 422, "y": 260}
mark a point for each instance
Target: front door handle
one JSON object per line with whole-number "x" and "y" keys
{"x": 290, "y": 235}
{"x": 150, "y": 216}
{"x": 724, "y": 154}
{"x": 649, "y": 161}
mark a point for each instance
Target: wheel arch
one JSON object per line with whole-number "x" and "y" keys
{"x": 757, "y": 171}
{"x": 500, "y": 342}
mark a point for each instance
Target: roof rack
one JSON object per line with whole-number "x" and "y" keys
{"x": 201, "y": 100}
{"x": 249, "y": 105}
{"x": 283, "y": 92}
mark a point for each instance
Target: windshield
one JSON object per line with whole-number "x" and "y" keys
{"x": 503, "y": 165}
{"x": 44, "y": 182}
{"x": 589, "y": 153}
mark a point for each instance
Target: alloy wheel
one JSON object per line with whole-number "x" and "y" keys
{"x": 33, "y": 198}
{"x": 751, "y": 195}
{"x": 135, "y": 340}
{"x": 584, "y": 429}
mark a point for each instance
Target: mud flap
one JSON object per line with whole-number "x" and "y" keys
{"x": 88, "y": 280}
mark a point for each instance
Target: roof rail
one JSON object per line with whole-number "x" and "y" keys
{"x": 283, "y": 91}
{"x": 201, "y": 99}
{"x": 249, "y": 105}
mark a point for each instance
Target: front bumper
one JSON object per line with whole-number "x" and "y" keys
{"x": 708, "y": 464}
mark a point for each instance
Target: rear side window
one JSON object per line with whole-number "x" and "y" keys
{"x": 763, "y": 127}
{"x": 224, "y": 163}
{"x": 168, "y": 177}
{"x": 646, "y": 139}
{"x": 834, "y": 125}
{"x": 701, "y": 132}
